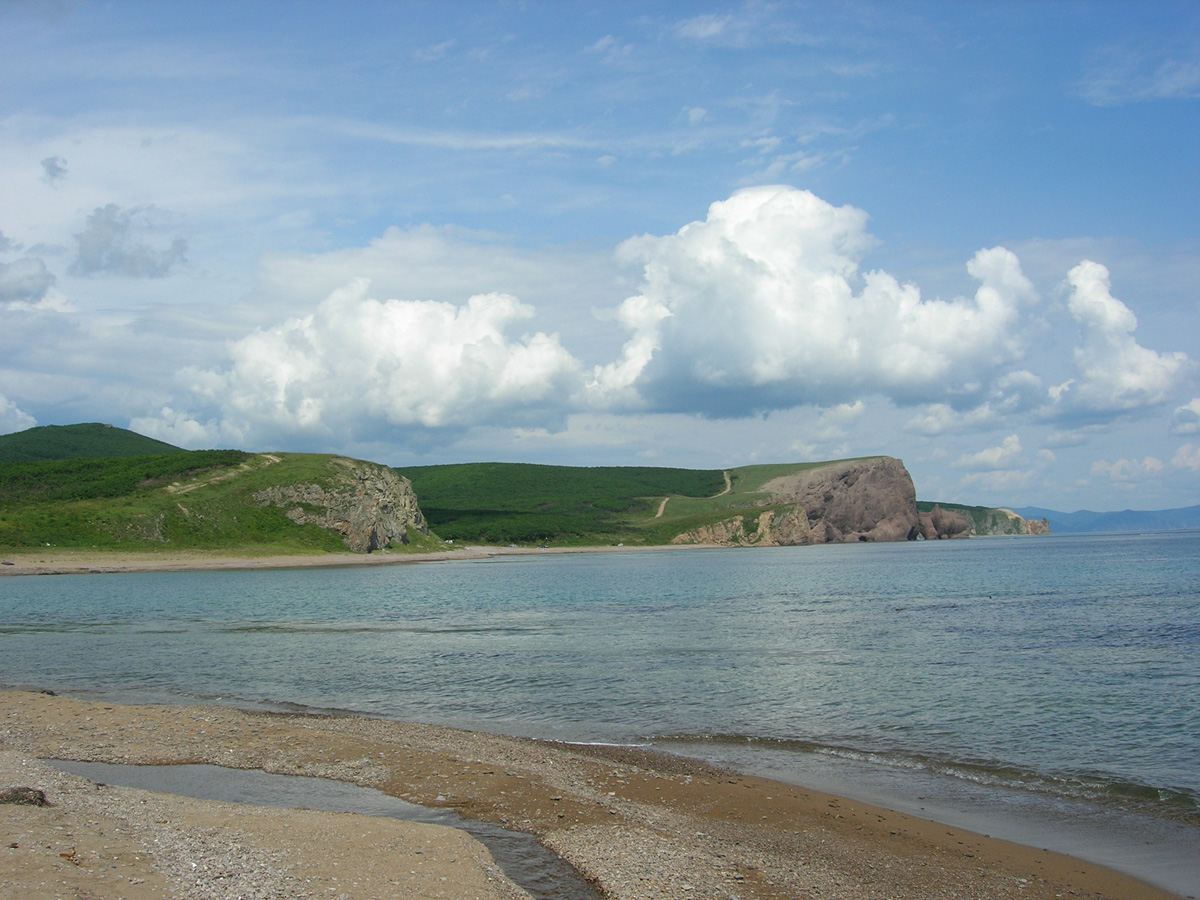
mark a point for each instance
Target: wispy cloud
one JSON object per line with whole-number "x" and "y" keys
{"x": 1118, "y": 75}
{"x": 441, "y": 140}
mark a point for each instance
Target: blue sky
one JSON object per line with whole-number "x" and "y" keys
{"x": 682, "y": 234}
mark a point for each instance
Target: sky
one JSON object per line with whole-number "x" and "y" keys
{"x": 702, "y": 235}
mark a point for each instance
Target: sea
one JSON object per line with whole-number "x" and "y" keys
{"x": 1040, "y": 689}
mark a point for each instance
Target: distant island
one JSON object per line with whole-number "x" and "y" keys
{"x": 97, "y": 487}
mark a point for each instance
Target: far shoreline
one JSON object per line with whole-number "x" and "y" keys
{"x": 101, "y": 562}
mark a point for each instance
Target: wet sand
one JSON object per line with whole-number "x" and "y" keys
{"x": 636, "y": 824}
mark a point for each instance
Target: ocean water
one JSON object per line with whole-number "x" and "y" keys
{"x": 1041, "y": 689}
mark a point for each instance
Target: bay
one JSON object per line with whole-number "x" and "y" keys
{"x": 1043, "y": 689}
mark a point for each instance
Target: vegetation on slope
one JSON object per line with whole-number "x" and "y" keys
{"x": 190, "y": 500}
{"x": 92, "y": 440}
{"x": 518, "y": 503}
{"x": 515, "y": 503}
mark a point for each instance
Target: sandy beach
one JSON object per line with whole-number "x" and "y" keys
{"x": 55, "y": 561}
{"x": 635, "y": 824}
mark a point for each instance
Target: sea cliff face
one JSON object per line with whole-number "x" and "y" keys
{"x": 940, "y": 524}
{"x": 840, "y": 502}
{"x": 1008, "y": 522}
{"x": 948, "y": 520}
{"x": 370, "y": 505}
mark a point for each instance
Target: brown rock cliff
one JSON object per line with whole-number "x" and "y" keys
{"x": 854, "y": 500}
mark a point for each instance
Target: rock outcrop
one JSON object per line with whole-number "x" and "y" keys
{"x": 368, "y": 504}
{"x": 982, "y": 521}
{"x": 940, "y": 524}
{"x": 855, "y": 500}
{"x": 1008, "y": 522}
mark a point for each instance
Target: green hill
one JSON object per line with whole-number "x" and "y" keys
{"x": 518, "y": 503}
{"x": 187, "y": 500}
{"x": 92, "y": 441}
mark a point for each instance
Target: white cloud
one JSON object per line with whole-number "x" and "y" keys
{"x": 357, "y": 365}
{"x": 1115, "y": 373}
{"x": 704, "y": 27}
{"x": 941, "y": 418}
{"x": 1186, "y": 419}
{"x": 1187, "y": 457}
{"x": 762, "y": 306}
{"x": 1125, "y": 470}
{"x": 13, "y": 418}
{"x": 992, "y": 458}
{"x": 175, "y": 428}
{"x": 1002, "y": 481}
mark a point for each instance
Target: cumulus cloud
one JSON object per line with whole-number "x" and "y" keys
{"x": 176, "y": 428}
{"x": 357, "y": 362}
{"x": 992, "y": 458}
{"x": 1115, "y": 373}
{"x": 113, "y": 243}
{"x": 1187, "y": 457}
{"x": 941, "y": 418}
{"x": 762, "y": 306}
{"x": 1186, "y": 419}
{"x": 999, "y": 481}
{"x": 13, "y": 418}
{"x": 24, "y": 281}
{"x": 1128, "y": 469}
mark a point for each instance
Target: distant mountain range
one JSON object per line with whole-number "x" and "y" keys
{"x": 1087, "y": 522}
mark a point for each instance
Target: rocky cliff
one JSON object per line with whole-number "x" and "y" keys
{"x": 854, "y": 500}
{"x": 940, "y": 524}
{"x": 1008, "y": 522}
{"x": 938, "y": 519}
{"x": 368, "y": 504}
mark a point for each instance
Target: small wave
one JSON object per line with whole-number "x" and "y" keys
{"x": 348, "y": 628}
{"x": 1165, "y": 801}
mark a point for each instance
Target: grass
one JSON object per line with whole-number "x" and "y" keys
{"x": 191, "y": 500}
{"x": 513, "y": 503}
{"x": 517, "y": 503}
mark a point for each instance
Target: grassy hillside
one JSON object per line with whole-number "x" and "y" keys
{"x": 514, "y": 503}
{"x": 189, "y": 500}
{"x": 92, "y": 441}
{"x": 517, "y": 503}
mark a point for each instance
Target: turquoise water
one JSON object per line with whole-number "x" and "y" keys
{"x": 1040, "y": 680}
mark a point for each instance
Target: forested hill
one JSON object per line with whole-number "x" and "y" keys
{"x": 92, "y": 440}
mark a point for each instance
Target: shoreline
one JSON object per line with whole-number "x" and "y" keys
{"x": 102, "y": 562}
{"x": 635, "y": 822}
